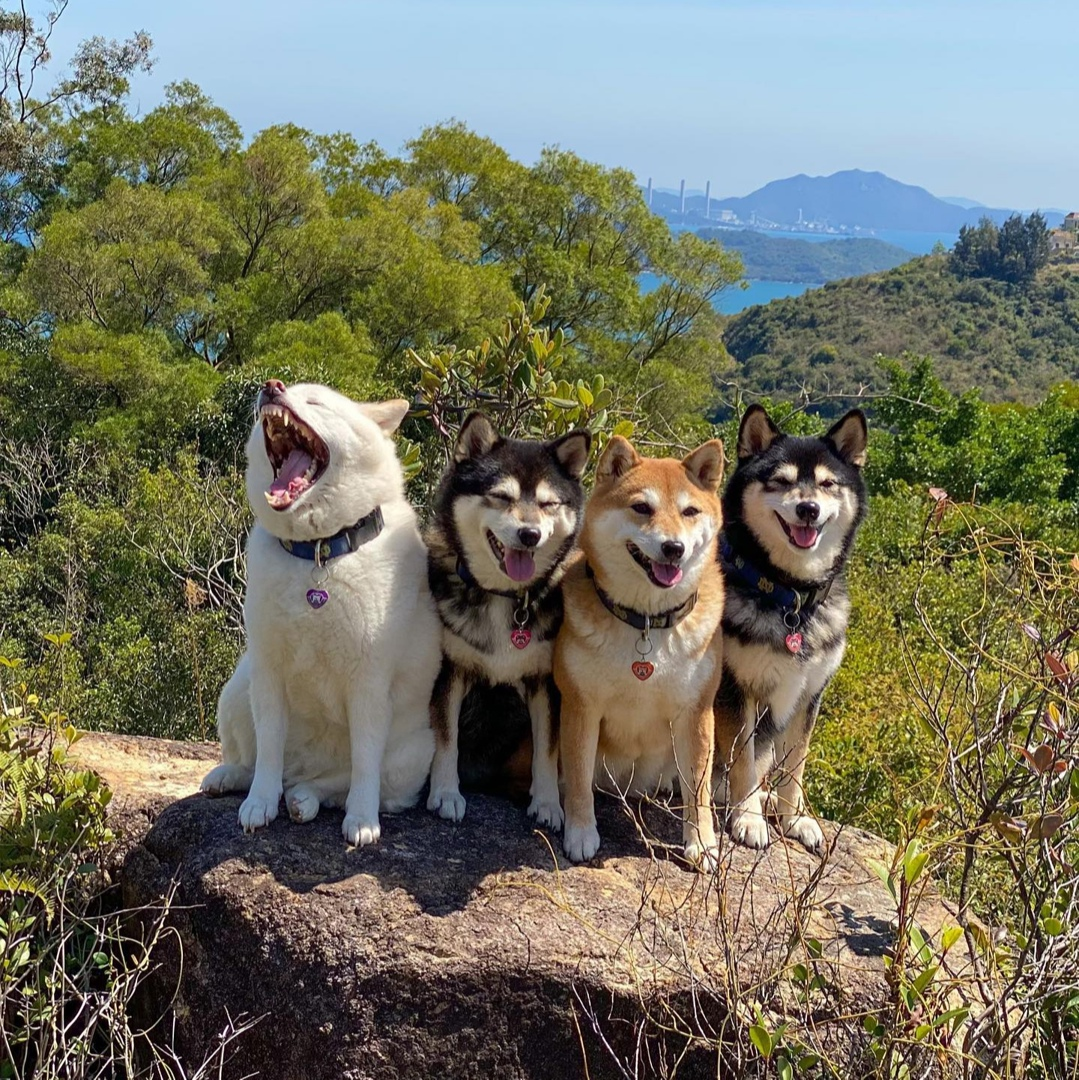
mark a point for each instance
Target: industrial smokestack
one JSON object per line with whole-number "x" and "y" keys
{"x": 707, "y": 198}
{"x": 682, "y": 199}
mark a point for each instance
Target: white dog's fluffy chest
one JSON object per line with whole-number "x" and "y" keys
{"x": 321, "y": 652}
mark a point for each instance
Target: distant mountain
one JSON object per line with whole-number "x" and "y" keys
{"x": 772, "y": 258}
{"x": 856, "y": 199}
{"x": 966, "y": 204}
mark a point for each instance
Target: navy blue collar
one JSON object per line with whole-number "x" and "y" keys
{"x": 770, "y": 591}
{"x": 347, "y": 540}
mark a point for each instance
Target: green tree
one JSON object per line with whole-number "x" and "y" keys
{"x": 97, "y": 78}
{"x": 138, "y": 258}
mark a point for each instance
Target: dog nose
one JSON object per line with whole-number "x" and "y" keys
{"x": 673, "y": 549}
{"x": 529, "y": 537}
{"x": 808, "y": 511}
{"x": 271, "y": 390}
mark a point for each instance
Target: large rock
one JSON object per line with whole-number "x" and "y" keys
{"x": 475, "y": 950}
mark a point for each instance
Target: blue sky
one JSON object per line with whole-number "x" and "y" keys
{"x": 971, "y": 99}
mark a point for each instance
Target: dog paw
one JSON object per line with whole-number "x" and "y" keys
{"x": 547, "y": 812}
{"x": 256, "y": 811}
{"x": 359, "y": 833}
{"x": 748, "y": 827}
{"x": 223, "y": 779}
{"x": 302, "y": 802}
{"x": 704, "y": 856}
{"x": 805, "y": 830}
{"x": 580, "y": 842}
{"x": 447, "y": 803}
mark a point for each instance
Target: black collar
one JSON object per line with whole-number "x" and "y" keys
{"x": 772, "y": 592}
{"x": 342, "y": 543}
{"x": 637, "y": 619}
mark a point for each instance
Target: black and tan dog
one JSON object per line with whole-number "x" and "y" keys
{"x": 791, "y": 511}
{"x": 506, "y": 515}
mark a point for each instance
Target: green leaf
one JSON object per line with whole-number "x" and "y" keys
{"x": 1053, "y": 926}
{"x": 625, "y": 428}
{"x": 914, "y": 862}
{"x": 885, "y": 876}
{"x": 949, "y": 936}
{"x": 783, "y": 1069}
{"x": 761, "y": 1040}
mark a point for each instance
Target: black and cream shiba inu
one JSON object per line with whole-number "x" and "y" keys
{"x": 791, "y": 511}
{"x": 506, "y": 515}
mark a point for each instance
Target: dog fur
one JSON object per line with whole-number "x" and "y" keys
{"x": 791, "y": 511}
{"x": 329, "y": 706}
{"x": 527, "y": 496}
{"x": 617, "y": 730}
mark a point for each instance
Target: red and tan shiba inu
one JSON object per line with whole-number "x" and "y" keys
{"x": 638, "y": 658}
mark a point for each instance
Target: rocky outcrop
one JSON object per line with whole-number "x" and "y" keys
{"x": 475, "y": 950}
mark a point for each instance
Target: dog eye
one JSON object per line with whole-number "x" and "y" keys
{"x": 690, "y": 511}
{"x": 500, "y": 496}
{"x": 642, "y": 508}
{"x": 550, "y": 505}
{"x": 826, "y": 485}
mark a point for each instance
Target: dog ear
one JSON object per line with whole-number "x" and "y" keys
{"x": 387, "y": 414}
{"x": 572, "y": 452}
{"x": 617, "y": 460}
{"x": 476, "y": 437}
{"x": 756, "y": 433}
{"x": 849, "y": 437}
{"x": 705, "y": 464}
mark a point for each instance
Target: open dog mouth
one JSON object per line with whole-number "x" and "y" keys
{"x": 517, "y": 564}
{"x": 298, "y": 456}
{"x": 801, "y": 536}
{"x": 663, "y": 575}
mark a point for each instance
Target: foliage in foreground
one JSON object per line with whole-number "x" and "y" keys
{"x": 71, "y": 960}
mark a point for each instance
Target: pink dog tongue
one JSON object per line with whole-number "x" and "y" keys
{"x": 805, "y": 536}
{"x": 666, "y": 573}
{"x": 291, "y": 480}
{"x": 519, "y": 564}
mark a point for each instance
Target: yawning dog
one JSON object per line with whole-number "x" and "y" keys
{"x": 330, "y": 702}
{"x": 638, "y": 659}
{"x": 505, "y": 518}
{"x": 791, "y": 511}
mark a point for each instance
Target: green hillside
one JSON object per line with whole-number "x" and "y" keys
{"x": 776, "y": 258}
{"x": 1010, "y": 342}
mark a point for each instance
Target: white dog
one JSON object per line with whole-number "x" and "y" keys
{"x": 329, "y": 705}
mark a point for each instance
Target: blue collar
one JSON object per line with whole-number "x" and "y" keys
{"x": 347, "y": 540}
{"x": 770, "y": 591}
